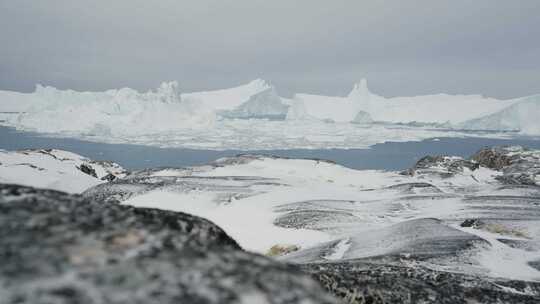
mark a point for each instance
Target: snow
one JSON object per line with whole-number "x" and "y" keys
{"x": 256, "y": 231}
{"x": 388, "y": 220}
{"x": 339, "y": 250}
{"x": 246, "y": 220}
{"x": 504, "y": 261}
{"x": 53, "y": 169}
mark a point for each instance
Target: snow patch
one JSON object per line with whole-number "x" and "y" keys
{"x": 55, "y": 169}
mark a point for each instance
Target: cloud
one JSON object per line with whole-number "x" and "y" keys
{"x": 404, "y": 48}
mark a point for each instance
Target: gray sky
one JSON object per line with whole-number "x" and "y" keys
{"x": 403, "y": 47}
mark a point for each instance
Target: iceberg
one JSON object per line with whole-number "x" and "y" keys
{"x": 228, "y": 99}
{"x": 239, "y": 116}
{"x": 426, "y": 109}
{"x": 362, "y": 117}
{"x": 325, "y": 108}
{"x": 119, "y": 112}
{"x": 522, "y": 116}
{"x": 266, "y": 105}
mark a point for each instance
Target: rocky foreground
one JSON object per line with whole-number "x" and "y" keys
{"x": 61, "y": 248}
{"x": 447, "y": 230}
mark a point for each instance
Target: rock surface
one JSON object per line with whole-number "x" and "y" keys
{"x": 520, "y": 166}
{"x": 379, "y": 282}
{"x": 445, "y": 166}
{"x": 449, "y": 230}
{"x": 61, "y": 248}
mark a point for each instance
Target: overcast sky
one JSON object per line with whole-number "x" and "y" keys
{"x": 402, "y": 47}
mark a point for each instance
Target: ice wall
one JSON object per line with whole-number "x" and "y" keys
{"x": 118, "y": 112}
{"x": 523, "y": 116}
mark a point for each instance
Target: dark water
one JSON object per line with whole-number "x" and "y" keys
{"x": 388, "y": 156}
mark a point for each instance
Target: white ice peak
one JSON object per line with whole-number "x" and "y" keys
{"x": 360, "y": 90}
{"x": 259, "y": 84}
{"x": 169, "y": 92}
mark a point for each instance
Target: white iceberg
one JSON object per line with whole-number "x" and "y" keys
{"x": 266, "y": 104}
{"x": 228, "y": 118}
{"x": 120, "y": 112}
{"x": 227, "y": 99}
{"x": 522, "y": 116}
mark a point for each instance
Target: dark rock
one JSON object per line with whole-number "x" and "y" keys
{"x": 444, "y": 166}
{"x": 372, "y": 282}
{"x": 413, "y": 188}
{"x": 314, "y": 219}
{"x": 535, "y": 264}
{"x": 527, "y": 245}
{"x": 87, "y": 169}
{"x": 61, "y": 248}
{"x": 493, "y": 158}
{"x": 520, "y": 166}
{"x": 109, "y": 177}
{"x": 474, "y": 223}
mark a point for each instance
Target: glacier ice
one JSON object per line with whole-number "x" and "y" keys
{"x": 266, "y": 104}
{"x": 120, "y": 112}
{"x": 362, "y": 117}
{"x": 220, "y": 119}
{"x": 227, "y": 99}
{"x": 522, "y": 116}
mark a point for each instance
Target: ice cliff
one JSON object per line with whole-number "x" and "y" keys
{"x": 126, "y": 112}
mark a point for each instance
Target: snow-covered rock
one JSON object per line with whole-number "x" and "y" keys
{"x": 55, "y": 169}
{"x": 332, "y": 213}
{"x": 450, "y": 230}
{"x": 519, "y": 166}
